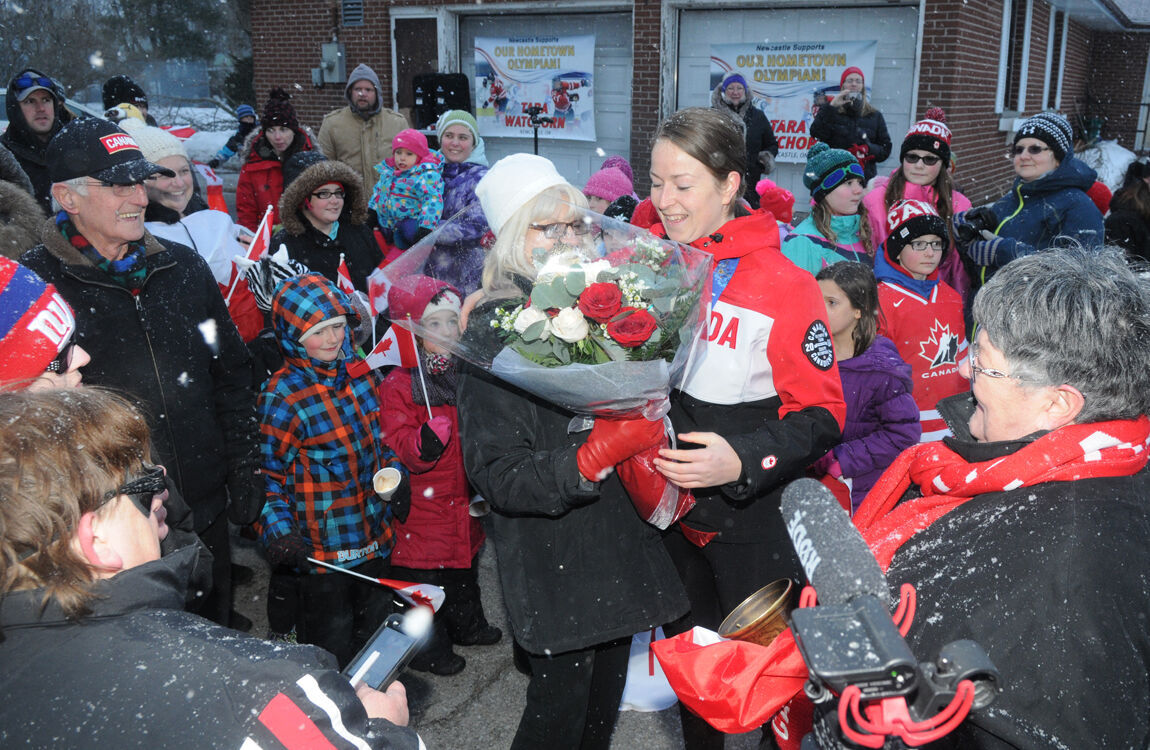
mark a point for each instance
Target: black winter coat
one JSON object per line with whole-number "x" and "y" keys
{"x": 1051, "y": 580}
{"x": 141, "y": 673}
{"x": 842, "y": 128}
{"x": 577, "y": 564}
{"x": 757, "y": 134}
{"x": 198, "y": 398}
{"x": 28, "y": 149}
{"x": 1128, "y": 230}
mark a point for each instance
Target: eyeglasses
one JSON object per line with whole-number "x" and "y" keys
{"x": 842, "y": 173}
{"x": 120, "y": 191}
{"x": 557, "y": 230}
{"x": 27, "y": 81}
{"x": 63, "y": 361}
{"x": 928, "y": 160}
{"x": 145, "y": 486}
{"x": 325, "y": 194}
{"x": 922, "y": 246}
{"x": 1032, "y": 149}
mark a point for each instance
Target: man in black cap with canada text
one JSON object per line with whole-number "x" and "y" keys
{"x": 150, "y": 314}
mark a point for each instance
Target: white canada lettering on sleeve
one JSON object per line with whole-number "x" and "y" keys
{"x": 733, "y": 368}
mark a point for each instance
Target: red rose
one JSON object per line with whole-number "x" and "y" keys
{"x": 601, "y": 301}
{"x": 633, "y": 327}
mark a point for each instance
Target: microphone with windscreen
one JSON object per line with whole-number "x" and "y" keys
{"x": 849, "y": 639}
{"x": 854, "y": 650}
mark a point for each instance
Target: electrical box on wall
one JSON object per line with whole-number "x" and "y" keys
{"x": 332, "y": 63}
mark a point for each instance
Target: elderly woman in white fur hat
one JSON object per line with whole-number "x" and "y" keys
{"x": 580, "y": 570}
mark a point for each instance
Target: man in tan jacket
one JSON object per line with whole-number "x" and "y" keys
{"x": 360, "y": 134}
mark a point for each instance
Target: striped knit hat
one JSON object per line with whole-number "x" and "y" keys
{"x": 35, "y": 323}
{"x": 928, "y": 134}
{"x": 1052, "y": 129}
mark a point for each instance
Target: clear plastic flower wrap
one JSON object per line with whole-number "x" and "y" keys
{"x": 601, "y": 318}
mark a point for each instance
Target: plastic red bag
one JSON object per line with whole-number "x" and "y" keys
{"x": 658, "y": 501}
{"x": 735, "y": 686}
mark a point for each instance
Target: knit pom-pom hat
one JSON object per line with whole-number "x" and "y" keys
{"x": 778, "y": 200}
{"x": 608, "y": 184}
{"x": 928, "y": 134}
{"x": 278, "y": 112}
{"x": 822, "y": 161}
{"x": 416, "y": 143}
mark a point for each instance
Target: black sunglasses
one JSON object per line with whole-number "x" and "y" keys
{"x": 63, "y": 361}
{"x": 1032, "y": 149}
{"x": 929, "y": 161}
{"x": 146, "y": 485}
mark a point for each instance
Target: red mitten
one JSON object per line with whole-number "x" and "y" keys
{"x": 658, "y": 501}
{"x": 612, "y": 440}
{"x": 861, "y": 152}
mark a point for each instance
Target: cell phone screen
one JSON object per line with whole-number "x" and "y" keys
{"x": 384, "y": 657}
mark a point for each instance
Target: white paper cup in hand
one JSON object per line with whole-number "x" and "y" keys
{"x": 386, "y": 481}
{"x": 479, "y": 507}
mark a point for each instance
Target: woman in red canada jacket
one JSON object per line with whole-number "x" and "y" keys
{"x": 762, "y": 399}
{"x": 261, "y": 180}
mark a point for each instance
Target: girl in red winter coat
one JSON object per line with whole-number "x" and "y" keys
{"x": 439, "y": 540}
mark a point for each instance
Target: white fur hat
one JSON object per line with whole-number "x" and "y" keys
{"x": 511, "y": 183}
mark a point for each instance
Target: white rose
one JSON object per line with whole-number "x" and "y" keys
{"x": 529, "y": 316}
{"x": 593, "y": 268}
{"x": 570, "y": 325}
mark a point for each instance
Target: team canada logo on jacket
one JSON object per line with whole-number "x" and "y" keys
{"x": 941, "y": 349}
{"x": 818, "y": 347}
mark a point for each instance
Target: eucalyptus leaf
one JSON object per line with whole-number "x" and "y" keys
{"x": 575, "y": 282}
{"x": 534, "y": 332}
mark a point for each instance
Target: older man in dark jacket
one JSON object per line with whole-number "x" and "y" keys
{"x": 150, "y": 314}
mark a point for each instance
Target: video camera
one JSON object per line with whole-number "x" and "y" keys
{"x": 533, "y": 113}
{"x": 856, "y": 653}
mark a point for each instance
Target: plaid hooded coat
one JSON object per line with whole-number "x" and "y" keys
{"x": 320, "y": 438}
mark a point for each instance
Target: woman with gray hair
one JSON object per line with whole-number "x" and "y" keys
{"x": 1026, "y": 531}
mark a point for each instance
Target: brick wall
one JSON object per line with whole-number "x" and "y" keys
{"x": 645, "y": 91}
{"x": 1079, "y": 64}
{"x": 959, "y": 72}
{"x": 1117, "y": 80}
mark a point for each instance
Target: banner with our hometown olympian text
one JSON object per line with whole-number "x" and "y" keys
{"x": 551, "y": 76}
{"x": 789, "y": 79}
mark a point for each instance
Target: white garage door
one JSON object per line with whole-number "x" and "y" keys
{"x": 576, "y": 160}
{"x": 895, "y": 29}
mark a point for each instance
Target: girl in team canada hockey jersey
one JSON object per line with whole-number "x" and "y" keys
{"x": 761, "y": 400}
{"x": 921, "y": 314}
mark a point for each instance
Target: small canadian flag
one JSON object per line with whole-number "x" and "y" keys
{"x": 397, "y": 347}
{"x": 343, "y": 277}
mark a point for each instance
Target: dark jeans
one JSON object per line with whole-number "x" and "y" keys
{"x": 339, "y": 612}
{"x": 573, "y": 698}
{"x": 217, "y": 603}
{"x": 718, "y": 577}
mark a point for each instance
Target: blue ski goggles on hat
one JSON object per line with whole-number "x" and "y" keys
{"x": 832, "y": 180}
{"x": 28, "y": 81}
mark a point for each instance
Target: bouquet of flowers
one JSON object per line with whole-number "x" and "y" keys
{"x": 603, "y": 325}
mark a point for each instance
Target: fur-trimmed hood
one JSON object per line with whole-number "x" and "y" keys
{"x": 291, "y": 202}
{"x": 21, "y": 220}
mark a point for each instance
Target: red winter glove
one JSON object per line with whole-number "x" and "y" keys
{"x": 657, "y": 500}
{"x": 613, "y": 440}
{"x": 861, "y": 152}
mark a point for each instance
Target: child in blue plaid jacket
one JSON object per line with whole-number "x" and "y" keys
{"x": 321, "y": 446}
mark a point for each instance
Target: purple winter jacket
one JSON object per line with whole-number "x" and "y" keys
{"x": 882, "y": 417}
{"x": 458, "y": 254}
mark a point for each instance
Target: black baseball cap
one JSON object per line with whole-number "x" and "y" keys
{"x": 91, "y": 147}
